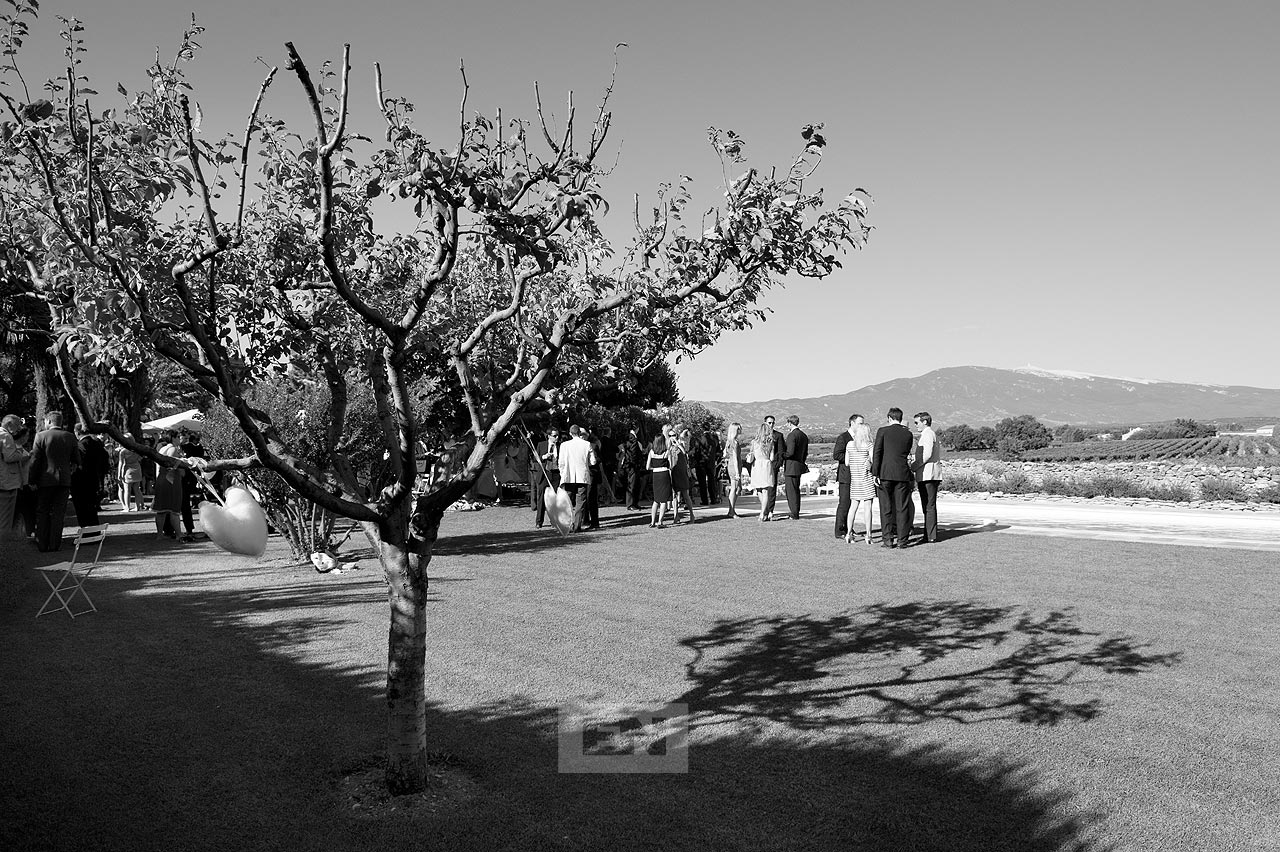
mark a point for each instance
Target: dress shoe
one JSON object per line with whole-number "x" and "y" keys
{"x": 902, "y": 546}
{"x": 886, "y": 544}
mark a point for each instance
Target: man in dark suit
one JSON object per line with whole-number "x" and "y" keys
{"x": 779, "y": 451}
{"x": 891, "y": 466}
{"x": 55, "y": 456}
{"x": 796, "y": 453}
{"x": 86, "y": 482}
{"x": 548, "y": 452}
{"x": 842, "y": 474}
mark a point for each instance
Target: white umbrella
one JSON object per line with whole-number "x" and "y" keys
{"x": 192, "y": 420}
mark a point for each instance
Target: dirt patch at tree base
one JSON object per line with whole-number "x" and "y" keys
{"x": 448, "y": 787}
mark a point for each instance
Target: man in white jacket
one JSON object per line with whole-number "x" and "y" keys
{"x": 928, "y": 470}
{"x": 575, "y": 459}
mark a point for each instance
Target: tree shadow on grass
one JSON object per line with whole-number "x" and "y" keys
{"x": 907, "y": 663}
{"x": 183, "y": 718}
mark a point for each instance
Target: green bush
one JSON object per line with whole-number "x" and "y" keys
{"x": 1108, "y": 485}
{"x": 1218, "y": 488}
{"x": 964, "y": 483}
{"x": 1174, "y": 493}
{"x": 1270, "y": 495}
{"x": 1056, "y": 485}
{"x": 1014, "y": 481}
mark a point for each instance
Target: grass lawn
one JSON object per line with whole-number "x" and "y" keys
{"x": 991, "y": 692}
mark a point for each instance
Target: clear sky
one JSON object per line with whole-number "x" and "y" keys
{"x": 1079, "y": 185}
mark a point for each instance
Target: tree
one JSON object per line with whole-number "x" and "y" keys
{"x": 961, "y": 437}
{"x": 503, "y": 295}
{"x": 1016, "y": 435}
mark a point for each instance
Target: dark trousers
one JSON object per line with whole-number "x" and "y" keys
{"x": 770, "y": 498}
{"x": 842, "y": 508}
{"x": 539, "y": 485}
{"x": 25, "y": 510}
{"x": 593, "y": 503}
{"x": 578, "y": 498}
{"x": 84, "y": 496}
{"x": 632, "y": 477}
{"x": 895, "y": 510}
{"x": 51, "y": 510}
{"x": 793, "y": 496}
{"x": 929, "y": 504}
{"x": 189, "y": 493}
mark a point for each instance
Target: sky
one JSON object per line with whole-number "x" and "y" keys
{"x": 1086, "y": 186}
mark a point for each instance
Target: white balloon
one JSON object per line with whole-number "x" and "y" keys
{"x": 559, "y": 509}
{"x": 238, "y": 527}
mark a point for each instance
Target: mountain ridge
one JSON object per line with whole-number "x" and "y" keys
{"x": 985, "y": 395}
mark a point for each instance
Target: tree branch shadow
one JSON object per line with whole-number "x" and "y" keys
{"x": 908, "y": 663}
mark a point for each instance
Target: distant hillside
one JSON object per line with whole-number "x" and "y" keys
{"x": 984, "y": 395}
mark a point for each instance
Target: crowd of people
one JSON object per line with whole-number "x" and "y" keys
{"x": 41, "y": 471}
{"x": 885, "y": 467}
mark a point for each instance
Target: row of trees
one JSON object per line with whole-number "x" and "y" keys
{"x": 1016, "y": 435}
{"x": 141, "y": 236}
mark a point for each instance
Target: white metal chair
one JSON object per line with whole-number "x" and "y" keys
{"x": 67, "y": 581}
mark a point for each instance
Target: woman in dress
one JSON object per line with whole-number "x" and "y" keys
{"x": 732, "y": 458}
{"x": 679, "y": 456}
{"x": 129, "y": 473}
{"x": 167, "y": 502}
{"x": 862, "y": 486}
{"x": 660, "y": 466}
{"x": 762, "y": 470}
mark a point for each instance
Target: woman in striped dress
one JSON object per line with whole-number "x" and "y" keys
{"x": 862, "y": 486}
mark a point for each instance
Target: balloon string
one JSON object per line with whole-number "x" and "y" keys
{"x": 210, "y": 489}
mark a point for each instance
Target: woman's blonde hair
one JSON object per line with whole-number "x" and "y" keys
{"x": 764, "y": 438}
{"x": 735, "y": 429}
{"x": 862, "y": 436}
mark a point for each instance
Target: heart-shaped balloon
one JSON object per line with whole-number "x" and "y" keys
{"x": 238, "y": 527}
{"x": 559, "y": 509}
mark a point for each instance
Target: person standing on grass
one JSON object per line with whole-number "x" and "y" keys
{"x": 13, "y": 463}
{"x": 192, "y": 491}
{"x": 545, "y": 475}
{"x": 860, "y": 489}
{"x": 575, "y": 460}
{"x": 838, "y": 454}
{"x": 732, "y": 457}
{"x": 597, "y": 474}
{"x": 776, "y": 460}
{"x": 629, "y": 453}
{"x": 167, "y": 500}
{"x": 86, "y": 482}
{"x": 928, "y": 470}
{"x": 679, "y": 456}
{"x": 55, "y": 456}
{"x": 660, "y": 466}
{"x": 795, "y": 466}
{"x": 764, "y": 478}
{"x": 891, "y": 467}
{"x": 129, "y": 474}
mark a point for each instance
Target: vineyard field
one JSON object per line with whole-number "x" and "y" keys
{"x": 1226, "y": 448}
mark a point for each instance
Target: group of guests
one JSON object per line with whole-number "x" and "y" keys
{"x": 41, "y": 471}
{"x": 885, "y": 467}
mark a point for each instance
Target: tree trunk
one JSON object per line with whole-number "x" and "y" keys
{"x": 406, "y": 656}
{"x": 49, "y": 393}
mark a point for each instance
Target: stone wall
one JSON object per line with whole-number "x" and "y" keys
{"x": 1185, "y": 473}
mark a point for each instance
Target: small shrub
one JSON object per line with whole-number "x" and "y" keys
{"x": 964, "y": 483}
{"x": 1014, "y": 481}
{"x": 1110, "y": 485}
{"x": 994, "y": 469}
{"x": 1218, "y": 488}
{"x": 1270, "y": 495}
{"x": 1174, "y": 493}
{"x": 1055, "y": 485}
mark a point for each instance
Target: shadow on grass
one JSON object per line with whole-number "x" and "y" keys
{"x": 905, "y": 664}
{"x": 185, "y": 718}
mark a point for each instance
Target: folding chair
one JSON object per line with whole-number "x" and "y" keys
{"x": 66, "y": 582}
